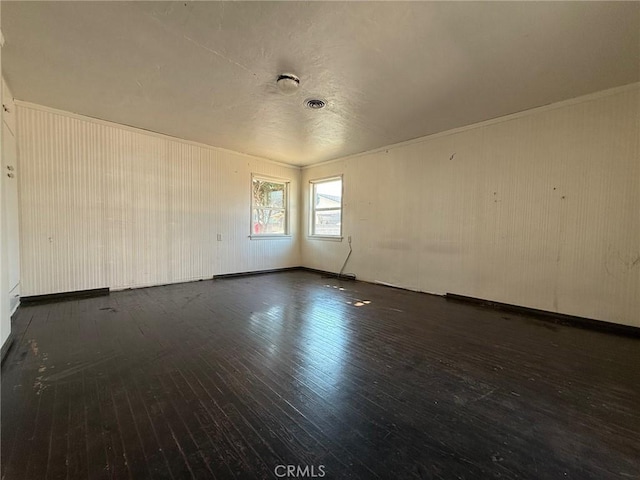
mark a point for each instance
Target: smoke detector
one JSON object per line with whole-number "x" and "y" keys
{"x": 288, "y": 83}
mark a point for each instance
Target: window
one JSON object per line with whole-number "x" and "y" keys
{"x": 269, "y": 207}
{"x": 326, "y": 207}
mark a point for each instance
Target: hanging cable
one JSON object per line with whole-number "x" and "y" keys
{"x": 347, "y": 276}
{"x": 342, "y": 275}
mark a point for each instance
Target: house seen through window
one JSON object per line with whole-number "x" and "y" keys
{"x": 269, "y": 207}
{"x": 326, "y": 210}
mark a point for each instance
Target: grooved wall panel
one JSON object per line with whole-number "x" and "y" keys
{"x": 540, "y": 210}
{"x": 110, "y": 206}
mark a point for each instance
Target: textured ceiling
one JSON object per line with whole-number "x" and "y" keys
{"x": 390, "y": 71}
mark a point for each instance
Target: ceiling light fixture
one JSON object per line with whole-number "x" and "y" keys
{"x": 288, "y": 83}
{"x": 315, "y": 103}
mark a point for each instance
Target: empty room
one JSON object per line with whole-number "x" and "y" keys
{"x": 342, "y": 240}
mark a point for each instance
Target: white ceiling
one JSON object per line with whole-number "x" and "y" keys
{"x": 390, "y": 71}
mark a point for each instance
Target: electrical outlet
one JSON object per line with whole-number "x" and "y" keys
{"x": 219, "y": 237}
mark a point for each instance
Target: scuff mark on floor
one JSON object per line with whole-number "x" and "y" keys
{"x": 77, "y": 369}
{"x": 34, "y": 347}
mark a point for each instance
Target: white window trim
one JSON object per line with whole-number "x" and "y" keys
{"x": 287, "y": 208}
{"x": 313, "y": 210}
{"x": 325, "y": 238}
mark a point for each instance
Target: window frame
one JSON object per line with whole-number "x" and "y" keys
{"x": 313, "y": 210}
{"x": 286, "y": 207}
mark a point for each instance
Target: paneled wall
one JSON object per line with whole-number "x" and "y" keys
{"x": 5, "y": 315}
{"x": 104, "y": 205}
{"x": 540, "y": 209}
{"x": 10, "y": 173}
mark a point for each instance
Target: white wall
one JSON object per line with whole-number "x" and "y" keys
{"x": 5, "y": 316}
{"x": 9, "y": 232}
{"x": 10, "y": 172}
{"x": 103, "y": 205}
{"x": 540, "y": 209}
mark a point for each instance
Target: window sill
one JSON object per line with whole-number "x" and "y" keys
{"x": 268, "y": 237}
{"x": 324, "y": 237}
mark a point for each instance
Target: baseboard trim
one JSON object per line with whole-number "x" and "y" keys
{"x": 316, "y": 270}
{"x": 559, "y": 318}
{"x": 326, "y": 273}
{"x": 254, "y": 272}
{"x": 64, "y": 296}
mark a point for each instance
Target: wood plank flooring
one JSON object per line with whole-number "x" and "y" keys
{"x": 232, "y": 378}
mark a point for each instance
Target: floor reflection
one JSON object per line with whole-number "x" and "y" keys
{"x": 308, "y": 340}
{"x": 324, "y": 341}
{"x": 270, "y": 327}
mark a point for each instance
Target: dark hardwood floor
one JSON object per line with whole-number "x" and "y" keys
{"x": 231, "y": 378}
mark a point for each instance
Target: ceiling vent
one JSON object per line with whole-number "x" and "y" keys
{"x": 315, "y": 103}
